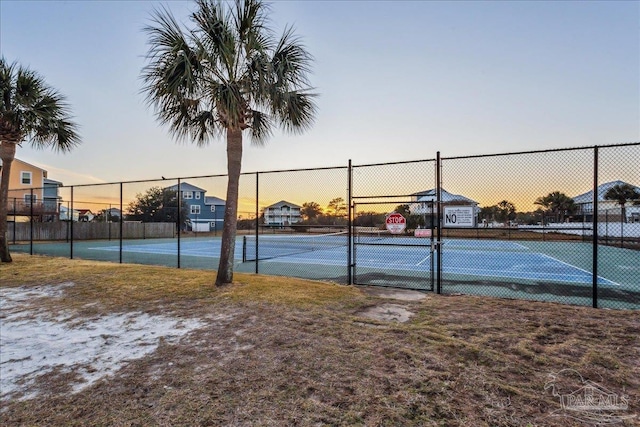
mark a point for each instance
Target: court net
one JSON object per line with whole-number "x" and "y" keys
{"x": 280, "y": 245}
{"x": 273, "y": 246}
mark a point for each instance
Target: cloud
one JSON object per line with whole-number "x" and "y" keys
{"x": 67, "y": 177}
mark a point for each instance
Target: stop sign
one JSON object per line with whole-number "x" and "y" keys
{"x": 396, "y": 223}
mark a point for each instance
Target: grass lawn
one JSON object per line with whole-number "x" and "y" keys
{"x": 275, "y": 351}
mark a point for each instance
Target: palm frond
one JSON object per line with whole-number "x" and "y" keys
{"x": 261, "y": 127}
{"x": 297, "y": 112}
{"x": 32, "y": 110}
{"x": 227, "y": 72}
{"x": 173, "y": 64}
{"x": 291, "y": 61}
{"x": 215, "y": 36}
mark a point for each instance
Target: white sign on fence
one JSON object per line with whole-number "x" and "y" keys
{"x": 459, "y": 216}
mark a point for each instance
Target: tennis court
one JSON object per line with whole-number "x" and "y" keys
{"x": 468, "y": 266}
{"x": 485, "y": 258}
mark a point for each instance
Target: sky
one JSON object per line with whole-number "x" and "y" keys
{"x": 397, "y": 80}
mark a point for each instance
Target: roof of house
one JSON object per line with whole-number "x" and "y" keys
{"x": 185, "y": 186}
{"x": 283, "y": 203}
{"x": 212, "y": 200}
{"x": 602, "y": 190}
{"x": 445, "y": 197}
{"x": 26, "y": 163}
{"x": 48, "y": 181}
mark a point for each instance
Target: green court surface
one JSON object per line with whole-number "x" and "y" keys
{"x": 549, "y": 271}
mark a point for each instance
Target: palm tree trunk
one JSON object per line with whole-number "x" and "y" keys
{"x": 228, "y": 244}
{"x": 7, "y": 154}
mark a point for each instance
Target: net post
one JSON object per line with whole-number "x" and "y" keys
{"x": 244, "y": 248}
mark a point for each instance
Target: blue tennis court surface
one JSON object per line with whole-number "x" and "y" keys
{"x": 209, "y": 248}
{"x": 492, "y": 259}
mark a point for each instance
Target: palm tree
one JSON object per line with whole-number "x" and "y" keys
{"x": 558, "y": 204}
{"x": 29, "y": 110}
{"x": 622, "y": 193}
{"x": 226, "y": 75}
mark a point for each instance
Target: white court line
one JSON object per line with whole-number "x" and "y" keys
{"x": 578, "y": 268}
{"x": 428, "y": 257}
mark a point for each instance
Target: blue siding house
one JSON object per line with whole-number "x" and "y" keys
{"x": 205, "y": 213}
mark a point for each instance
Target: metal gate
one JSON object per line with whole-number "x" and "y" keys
{"x": 386, "y": 256}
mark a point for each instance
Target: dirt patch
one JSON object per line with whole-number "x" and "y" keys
{"x": 387, "y": 312}
{"x": 394, "y": 293}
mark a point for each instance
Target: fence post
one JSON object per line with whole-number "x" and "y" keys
{"x": 179, "y": 196}
{"x": 14, "y": 219}
{"x": 439, "y": 223}
{"x": 257, "y": 218}
{"x": 30, "y": 222}
{"x": 70, "y": 219}
{"x": 606, "y": 224}
{"x": 121, "y": 222}
{"x": 349, "y": 226}
{"x": 595, "y": 227}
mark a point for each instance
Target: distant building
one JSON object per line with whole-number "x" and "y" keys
{"x": 605, "y": 207}
{"x": 205, "y": 213}
{"x": 32, "y": 193}
{"x": 282, "y": 213}
{"x": 425, "y": 203}
{"x": 85, "y": 215}
{"x": 112, "y": 214}
{"x": 424, "y": 200}
{"x": 67, "y": 214}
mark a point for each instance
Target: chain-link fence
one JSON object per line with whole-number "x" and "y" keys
{"x": 554, "y": 225}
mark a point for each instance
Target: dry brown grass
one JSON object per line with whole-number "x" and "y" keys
{"x": 279, "y": 351}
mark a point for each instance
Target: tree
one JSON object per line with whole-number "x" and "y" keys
{"x": 489, "y": 213}
{"x": 622, "y": 193}
{"x": 558, "y": 204}
{"x": 225, "y": 75}
{"x": 502, "y": 212}
{"x": 506, "y": 211}
{"x": 310, "y": 211}
{"x": 29, "y": 110}
{"x": 369, "y": 219}
{"x": 157, "y": 205}
{"x": 337, "y": 207}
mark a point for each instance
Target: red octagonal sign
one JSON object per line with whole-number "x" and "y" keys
{"x": 396, "y": 223}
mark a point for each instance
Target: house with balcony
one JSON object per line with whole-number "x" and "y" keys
{"x": 204, "y": 213}
{"x": 424, "y": 203}
{"x": 282, "y": 213}
{"x": 32, "y": 193}
{"x": 608, "y": 210}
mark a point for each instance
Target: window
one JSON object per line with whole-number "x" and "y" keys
{"x": 187, "y": 194}
{"x": 213, "y": 208}
{"x": 25, "y": 178}
{"x": 28, "y": 199}
{"x": 197, "y": 193}
{"x": 195, "y": 209}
